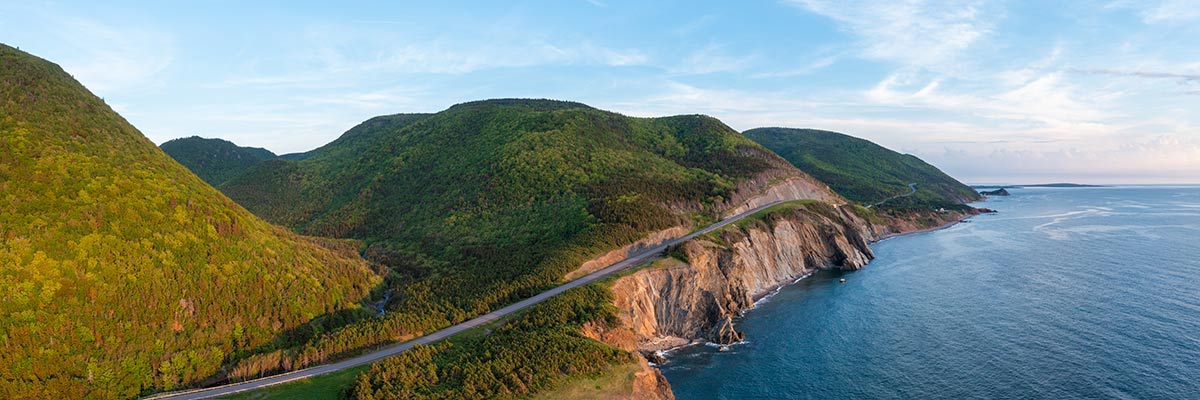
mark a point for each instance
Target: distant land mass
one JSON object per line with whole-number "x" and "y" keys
{"x": 214, "y": 160}
{"x": 997, "y": 192}
{"x": 1049, "y": 185}
{"x": 863, "y": 171}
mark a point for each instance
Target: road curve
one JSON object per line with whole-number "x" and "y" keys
{"x": 217, "y": 391}
{"x": 912, "y": 189}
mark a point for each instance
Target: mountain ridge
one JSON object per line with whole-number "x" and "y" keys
{"x": 865, "y": 172}
{"x": 124, "y": 273}
{"x": 214, "y": 160}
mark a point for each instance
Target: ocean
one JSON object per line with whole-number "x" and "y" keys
{"x": 1066, "y": 293}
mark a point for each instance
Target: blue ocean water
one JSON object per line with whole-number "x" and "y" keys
{"x": 1080, "y": 293}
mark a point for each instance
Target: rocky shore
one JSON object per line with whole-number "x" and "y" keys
{"x": 714, "y": 279}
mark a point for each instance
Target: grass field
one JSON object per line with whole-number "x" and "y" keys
{"x": 324, "y": 387}
{"x": 614, "y": 383}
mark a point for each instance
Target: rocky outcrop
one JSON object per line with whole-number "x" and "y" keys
{"x": 652, "y": 240}
{"x": 781, "y": 188}
{"x": 648, "y": 382}
{"x": 997, "y": 192}
{"x": 675, "y": 301}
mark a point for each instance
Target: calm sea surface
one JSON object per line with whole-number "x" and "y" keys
{"x": 1065, "y": 294}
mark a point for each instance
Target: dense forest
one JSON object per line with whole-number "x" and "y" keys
{"x": 865, "y": 172}
{"x": 214, "y": 160}
{"x": 534, "y": 352}
{"x": 121, "y": 272}
{"x": 490, "y": 202}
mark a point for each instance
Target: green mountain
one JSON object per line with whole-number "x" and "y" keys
{"x": 121, "y": 272}
{"x": 214, "y": 160}
{"x": 490, "y": 202}
{"x": 864, "y": 172}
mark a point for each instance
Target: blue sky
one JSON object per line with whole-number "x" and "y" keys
{"x": 1007, "y": 91}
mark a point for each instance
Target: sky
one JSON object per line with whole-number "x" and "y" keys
{"x": 990, "y": 91}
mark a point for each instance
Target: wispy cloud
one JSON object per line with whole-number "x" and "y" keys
{"x": 814, "y": 66}
{"x": 109, "y": 58}
{"x": 713, "y": 58}
{"x": 919, "y": 34}
{"x": 696, "y": 25}
{"x": 1181, "y": 77}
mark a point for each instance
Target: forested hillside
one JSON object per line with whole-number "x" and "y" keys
{"x": 490, "y": 202}
{"x": 121, "y": 272}
{"x": 536, "y": 351}
{"x": 214, "y": 160}
{"x": 862, "y": 171}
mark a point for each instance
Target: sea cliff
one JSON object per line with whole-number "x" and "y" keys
{"x": 697, "y": 292}
{"x": 707, "y": 282}
{"x": 711, "y": 280}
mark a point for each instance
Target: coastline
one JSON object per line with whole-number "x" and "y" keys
{"x": 664, "y": 353}
{"x": 923, "y": 230}
{"x": 775, "y": 289}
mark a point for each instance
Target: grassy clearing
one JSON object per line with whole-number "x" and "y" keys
{"x": 614, "y": 383}
{"x": 325, "y": 387}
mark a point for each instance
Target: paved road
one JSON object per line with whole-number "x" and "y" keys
{"x": 206, "y": 393}
{"x": 912, "y": 188}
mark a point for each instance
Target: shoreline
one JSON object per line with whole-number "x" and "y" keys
{"x": 760, "y": 297}
{"x": 923, "y": 230}
{"x": 778, "y": 287}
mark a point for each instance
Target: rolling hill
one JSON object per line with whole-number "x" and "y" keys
{"x": 863, "y": 171}
{"x": 214, "y": 160}
{"x": 490, "y": 202}
{"x": 121, "y": 272}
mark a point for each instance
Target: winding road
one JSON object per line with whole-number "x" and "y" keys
{"x": 912, "y": 188}
{"x": 217, "y": 391}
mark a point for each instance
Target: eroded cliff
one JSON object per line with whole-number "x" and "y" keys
{"x": 711, "y": 280}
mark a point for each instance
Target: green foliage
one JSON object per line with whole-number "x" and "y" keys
{"x": 332, "y": 386}
{"x": 214, "y": 160}
{"x": 862, "y": 171}
{"x": 121, "y": 272}
{"x": 537, "y": 351}
{"x": 490, "y": 202}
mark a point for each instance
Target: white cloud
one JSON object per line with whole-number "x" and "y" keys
{"x": 333, "y": 56}
{"x": 712, "y": 58}
{"x": 814, "y": 66}
{"x": 915, "y": 33}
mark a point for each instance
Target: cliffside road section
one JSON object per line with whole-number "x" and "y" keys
{"x": 207, "y": 393}
{"x": 912, "y": 188}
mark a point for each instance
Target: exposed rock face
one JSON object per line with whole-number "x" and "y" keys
{"x": 648, "y": 383}
{"x": 673, "y": 302}
{"x": 785, "y": 188}
{"x": 612, "y": 257}
{"x": 785, "y": 184}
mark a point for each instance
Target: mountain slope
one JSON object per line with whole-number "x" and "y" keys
{"x": 489, "y": 202}
{"x": 214, "y": 160}
{"x": 120, "y": 271}
{"x": 862, "y": 171}
{"x": 497, "y": 189}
